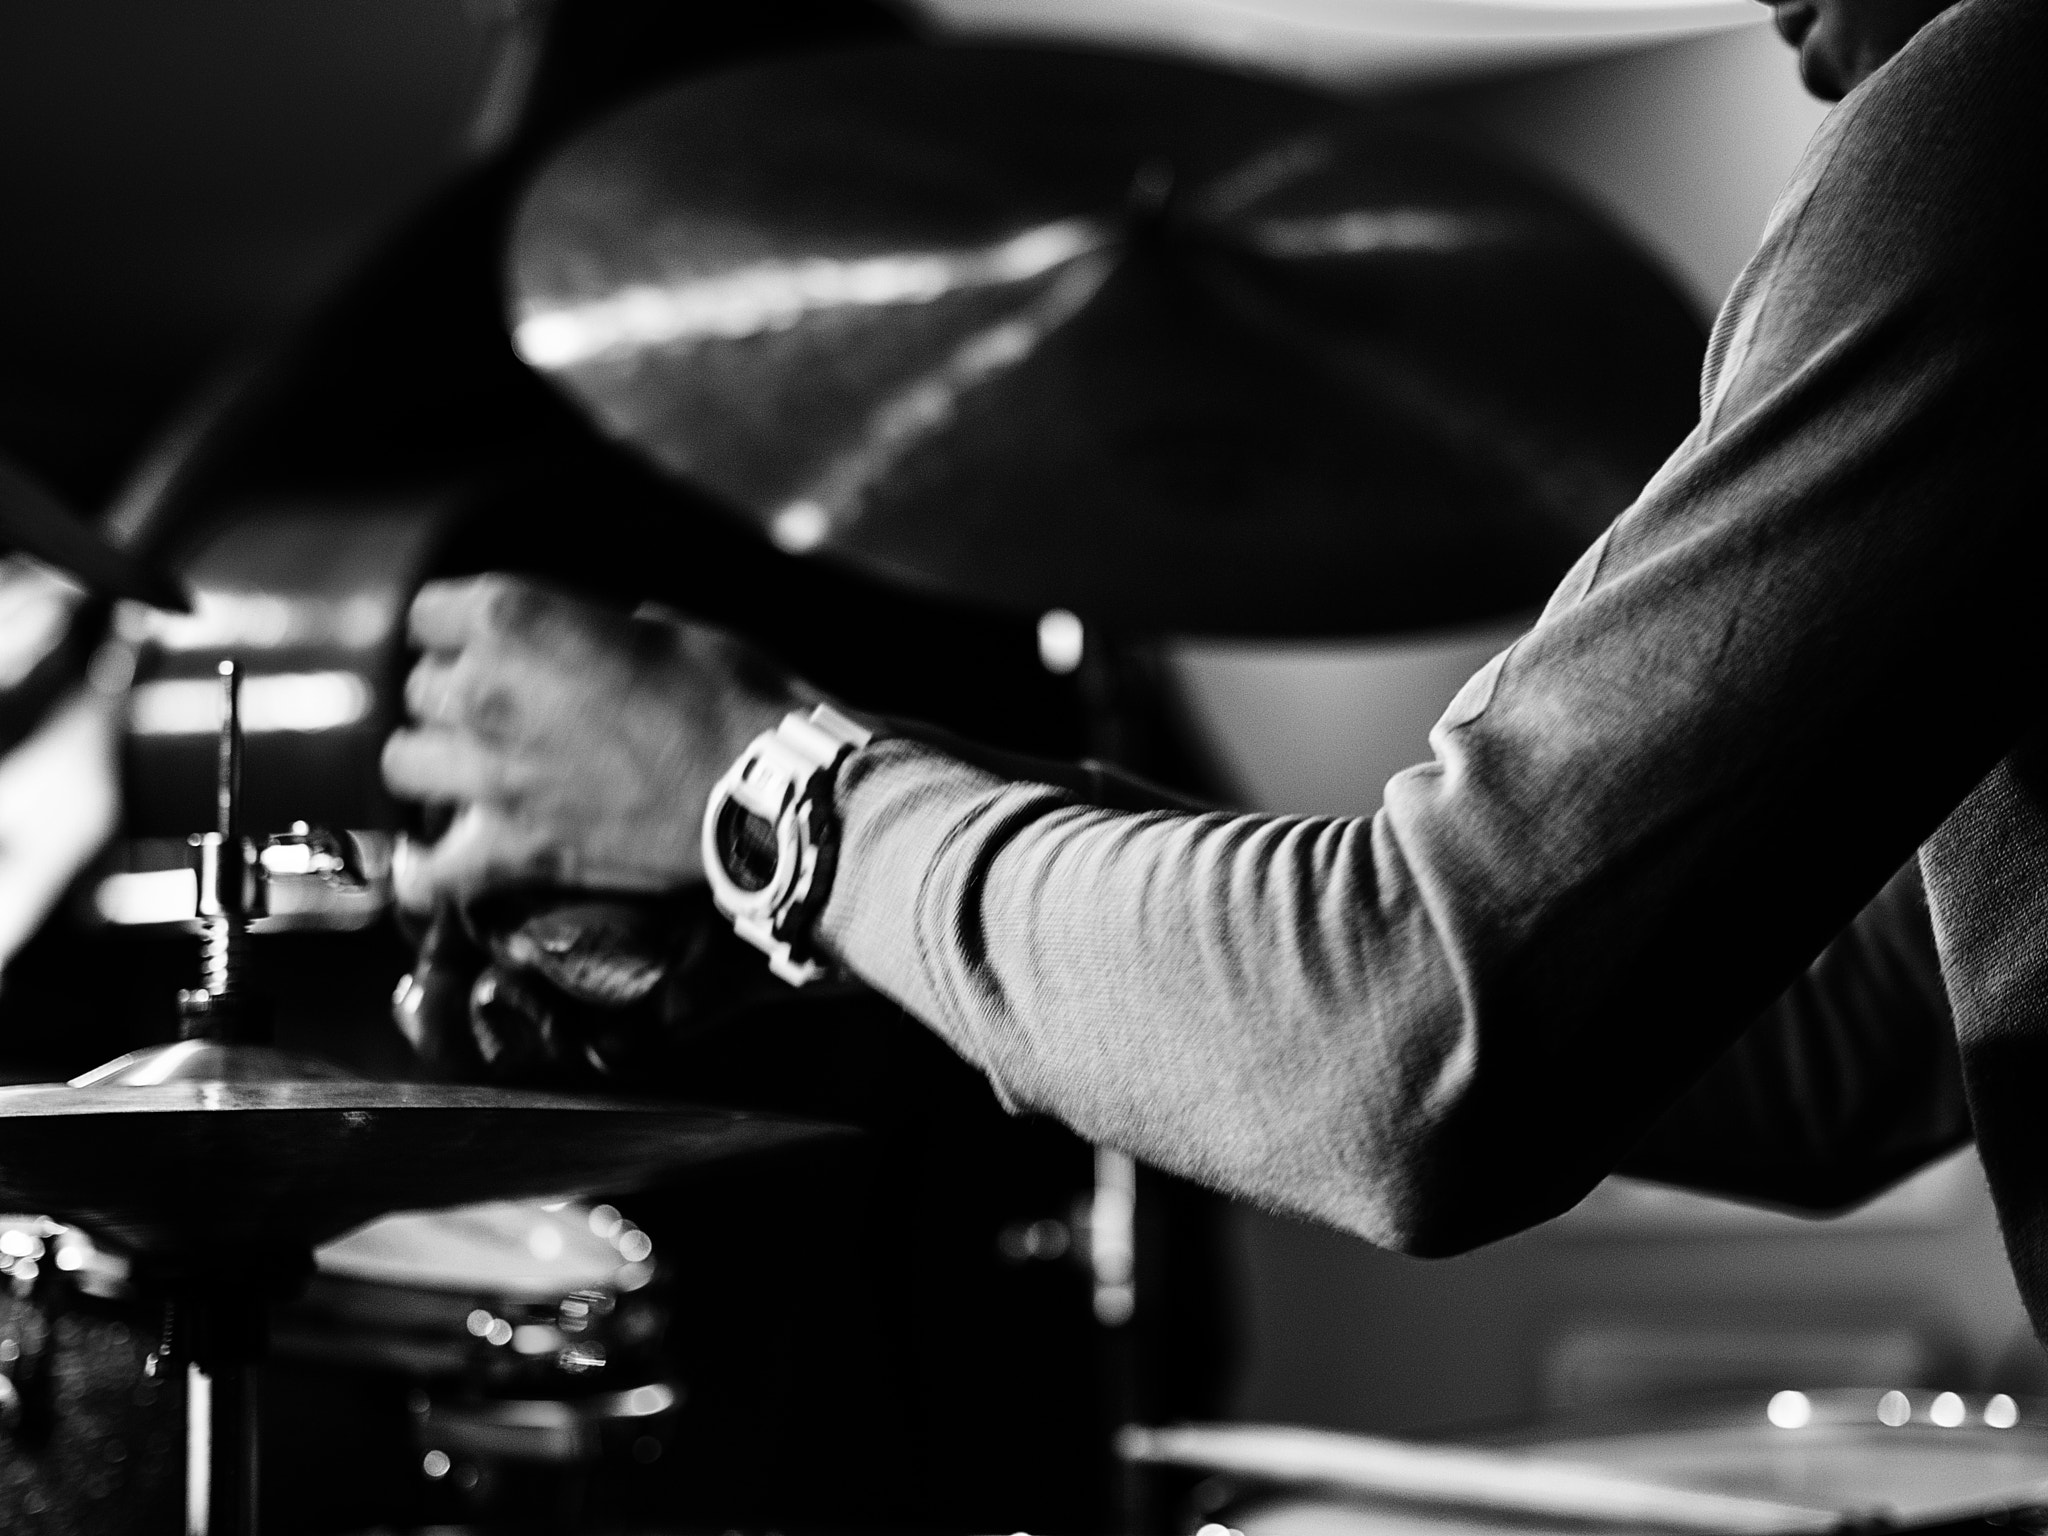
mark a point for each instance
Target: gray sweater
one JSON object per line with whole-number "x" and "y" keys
{"x": 1584, "y": 934}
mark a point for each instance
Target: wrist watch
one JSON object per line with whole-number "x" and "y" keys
{"x": 771, "y": 836}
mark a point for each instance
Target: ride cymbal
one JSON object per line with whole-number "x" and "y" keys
{"x": 1168, "y": 347}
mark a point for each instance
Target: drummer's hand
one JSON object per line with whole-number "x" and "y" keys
{"x": 577, "y": 744}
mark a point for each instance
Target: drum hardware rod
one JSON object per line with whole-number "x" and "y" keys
{"x": 227, "y": 792}
{"x": 219, "y": 1327}
{"x": 222, "y": 1007}
{"x": 1112, "y": 1252}
{"x": 159, "y": 1360}
{"x": 1113, "y": 674}
{"x": 225, "y": 1327}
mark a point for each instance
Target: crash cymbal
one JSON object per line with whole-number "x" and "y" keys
{"x": 34, "y": 522}
{"x": 1165, "y": 346}
{"x": 200, "y": 1151}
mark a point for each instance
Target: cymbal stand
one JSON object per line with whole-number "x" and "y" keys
{"x": 224, "y": 1335}
{"x": 223, "y": 1312}
{"x": 1117, "y": 735}
{"x": 1131, "y": 724}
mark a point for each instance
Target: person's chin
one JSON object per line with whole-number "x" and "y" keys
{"x": 1800, "y": 24}
{"x": 1820, "y": 71}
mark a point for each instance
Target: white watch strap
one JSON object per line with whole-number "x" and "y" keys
{"x": 824, "y": 735}
{"x": 775, "y": 780}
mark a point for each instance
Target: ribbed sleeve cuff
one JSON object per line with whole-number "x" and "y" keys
{"x": 900, "y": 804}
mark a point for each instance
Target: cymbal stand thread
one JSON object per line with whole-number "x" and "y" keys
{"x": 221, "y": 1007}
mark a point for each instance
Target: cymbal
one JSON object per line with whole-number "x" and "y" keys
{"x": 198, "y": 1169}
{"x": 1168, "y": 347}
{"x": 34, "y": 522}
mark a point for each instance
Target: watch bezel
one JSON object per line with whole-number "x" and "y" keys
{"x": 785, "y": 778}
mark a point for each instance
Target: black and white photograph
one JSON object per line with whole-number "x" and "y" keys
{"x": 1023, "y": 768}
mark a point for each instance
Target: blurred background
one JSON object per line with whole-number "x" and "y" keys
{"x": 179, "y": 183}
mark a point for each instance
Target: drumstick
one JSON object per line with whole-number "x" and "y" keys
{"x": 1462, "y": 1475}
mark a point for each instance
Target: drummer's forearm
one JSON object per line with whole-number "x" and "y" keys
{"x": 1095, "y": 782}
{"x": 1151, "y": 978}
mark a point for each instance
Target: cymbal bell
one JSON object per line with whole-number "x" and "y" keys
{"x": 197, "y": 1153}
{"x": 1168, "y": 347}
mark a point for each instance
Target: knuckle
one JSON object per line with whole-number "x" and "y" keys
{"x": 472, "y": 694}
{"x": 430, "y": 596}
{"x": 509, "y": 605}
{"x": 490, "y": 709}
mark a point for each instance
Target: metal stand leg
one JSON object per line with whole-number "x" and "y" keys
{"x": 228, "y": 1332}
{"x": 1113, "y": 1264}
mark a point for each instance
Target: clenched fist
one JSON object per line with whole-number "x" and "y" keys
{"x": 576, "y": 744}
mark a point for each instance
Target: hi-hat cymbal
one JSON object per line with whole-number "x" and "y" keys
{"x": 201, "y": 1169}
{"x": 1168, "y": 347}
{"x": 34, "y": 522}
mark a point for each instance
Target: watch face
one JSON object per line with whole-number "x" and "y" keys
{"x": 746, "y": 846}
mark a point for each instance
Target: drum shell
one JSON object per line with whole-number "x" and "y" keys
{"x": 110, "y": 1456}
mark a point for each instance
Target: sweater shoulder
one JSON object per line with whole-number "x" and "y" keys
{"x": 1955, "y": 127}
